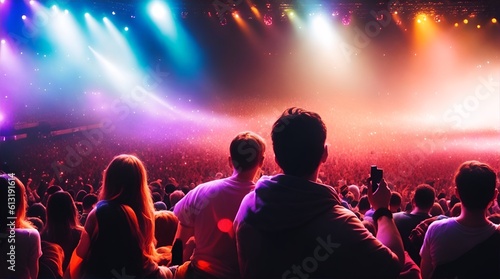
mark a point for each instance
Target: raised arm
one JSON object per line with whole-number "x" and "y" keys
{"x": 387, "y": 231}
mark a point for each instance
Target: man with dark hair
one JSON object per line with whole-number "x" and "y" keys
{"x": 395, "y": 202}
{"x": 468, "y": 243}
{"x": 207, "y": 212}
{"x": 422, "y": 202}
{"x": 88, "y": 203}
{"x": 306, "y": 138}
{"x": 293, "y": 227}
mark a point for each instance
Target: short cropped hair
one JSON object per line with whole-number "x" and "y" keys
{"x": 396, "y": 199}
{"x": 476, "y": 183}
{"x": 299, "y": 141}
{"x": 364, "y": 204}
{"x": 89, "y": 200}
{"x": 424, "y": 196}
{"x": 246, "y": 150}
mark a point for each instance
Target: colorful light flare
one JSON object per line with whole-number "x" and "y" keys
{"x": 346, "y": 19}
{"x": 322, "y": 30}
{"x": 268, "y": 19}
{"x": 421, "y": 18}
{"x": 494, "y": 20}
{"x": 9, "y": 58}
{"x": 425, "y": 32}
{"x": 157, "y": 10}
{"x": 123, "y": 48}
{"x": 162, "y": 17}
{"x": 256, "y": 12}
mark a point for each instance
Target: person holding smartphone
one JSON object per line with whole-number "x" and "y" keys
{"x": 293, "y": 227}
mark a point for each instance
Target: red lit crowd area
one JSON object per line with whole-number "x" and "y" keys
{"x": 249, "y": 139}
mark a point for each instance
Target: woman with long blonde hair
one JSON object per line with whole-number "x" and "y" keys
{"x": 118, "y": 239}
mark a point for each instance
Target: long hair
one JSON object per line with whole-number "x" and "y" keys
{"x": 125, "y": 182}
{"x": 62, "y": 217}
{"x": 13, "y": 192}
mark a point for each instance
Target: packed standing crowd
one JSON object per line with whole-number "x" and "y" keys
{"x": 198, "y": 212}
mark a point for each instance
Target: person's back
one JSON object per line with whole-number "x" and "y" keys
{"x": 293, "y": 227}
{"x": 19, "y": 242}
{"x": 422, "y": 201}
{"x": 208, "y": 211}
{"x": 114, "y": 247}
{"x": 20, "y": 255}
{"x": 118, "y": 239}
{"x": 51, "y": 262}
{"x": 297, "y": 228}
{"x": 448, "y": 240}
{"x": 62, "y": 226}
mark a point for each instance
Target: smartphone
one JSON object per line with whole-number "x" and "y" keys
{"x": 376, "y": 176}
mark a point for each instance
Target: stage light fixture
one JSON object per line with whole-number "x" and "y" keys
{"x": 158, "y": 10}
{"x": 346, "y": 20}
{"x": 23, "y": 17}
{"x": 255, "y": 11}
{"x": 126, "y": 28}
{"x": 478, "y": 26}
{"x": 321, "y": 30}
{"x": 466, "y": 21}
{"x": 494, "y": 20}
{"x": 87, "y": 15}
{"x": 2, "y": 41}
{"x": 421, "y": 18}
{"x": 456, "y": 24}
{"x": 268, "y": 19}
{"x": 320, "y": 24}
